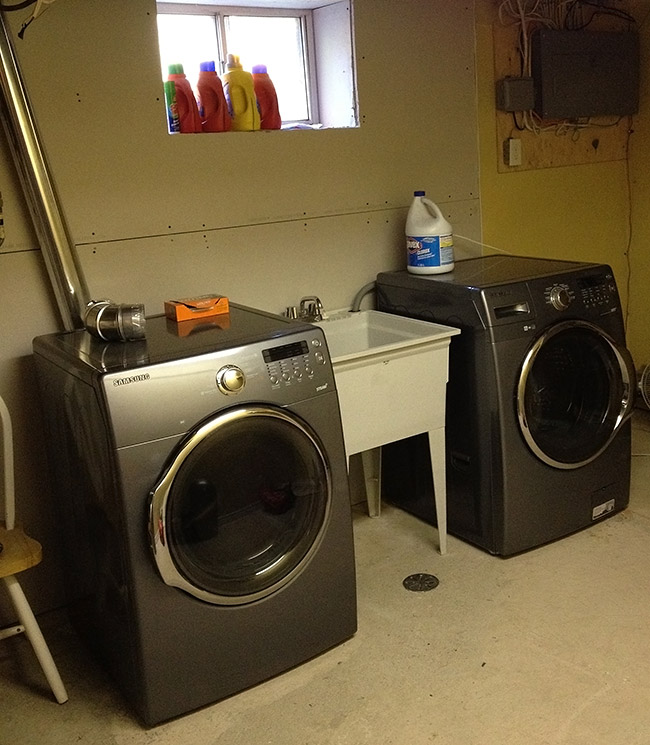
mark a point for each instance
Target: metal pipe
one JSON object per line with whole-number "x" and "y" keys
{"x": 52, "y": 232}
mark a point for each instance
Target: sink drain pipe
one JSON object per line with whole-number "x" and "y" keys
{"x": 51, "y": 230}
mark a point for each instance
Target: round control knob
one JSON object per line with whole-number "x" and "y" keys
{"x": 560, "y": 298}
{"x": 230, "y": 379}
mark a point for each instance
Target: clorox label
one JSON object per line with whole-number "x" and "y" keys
{"x": 430, "y": 250}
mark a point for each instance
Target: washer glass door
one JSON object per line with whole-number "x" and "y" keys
{"x": 575, "y": 391}
{"x": 242, "y": 507}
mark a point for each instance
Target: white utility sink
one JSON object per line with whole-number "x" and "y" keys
{"x": 370, "y": 332}
{"x": 391, "y": 376}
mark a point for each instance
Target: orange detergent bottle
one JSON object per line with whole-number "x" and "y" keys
{"x": 211, "y": 100}
{"x": 240, "y": 95}
{"x": 267, "y": 98}
{"x": 188, "y": 111}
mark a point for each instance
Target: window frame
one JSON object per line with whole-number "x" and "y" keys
{"x": 219, "y": 12}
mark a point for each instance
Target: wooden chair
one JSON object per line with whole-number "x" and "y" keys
{"x": 20, "y": 552}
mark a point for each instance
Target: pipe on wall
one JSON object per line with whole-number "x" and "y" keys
{"x": 52, "y": 232}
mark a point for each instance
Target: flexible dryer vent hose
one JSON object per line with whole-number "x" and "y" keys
{"x": 49, "y": 223}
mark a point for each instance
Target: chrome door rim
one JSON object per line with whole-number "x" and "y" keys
{"x": 158, "y": 508}
{"x": 628, "y": 376}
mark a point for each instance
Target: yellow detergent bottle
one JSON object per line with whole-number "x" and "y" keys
{"x": 240, "y": 95}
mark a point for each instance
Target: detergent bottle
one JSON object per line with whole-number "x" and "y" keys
{"x": 211, "y": 100}
{"x": 267, "y": 98}
{"x": 188, "y": 111}
{"x": 429, "y": 238}
{"x": 173, "y": 122}
{"x": 240, "y": 95}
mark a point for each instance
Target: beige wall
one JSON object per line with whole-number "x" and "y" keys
{"x": 268, "y": 217}
{"x": 263, "y": 217}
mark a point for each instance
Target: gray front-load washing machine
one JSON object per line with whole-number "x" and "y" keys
{"x": 201, "y": 479}
{"x": 539, "y": 396}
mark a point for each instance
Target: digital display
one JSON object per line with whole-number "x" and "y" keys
{"x": 589, "y": 282}
{"x": 297, "y": 349}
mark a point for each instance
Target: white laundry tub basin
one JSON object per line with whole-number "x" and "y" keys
{"x": 391, "y": 374}
{"x": 371, "y": 332}
{"x": 391, "y": 377}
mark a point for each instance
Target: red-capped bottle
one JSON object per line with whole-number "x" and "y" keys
{"x": 267, "y": 99}
{"x": 188, "y": 111}
{"x": 211, "y": 100}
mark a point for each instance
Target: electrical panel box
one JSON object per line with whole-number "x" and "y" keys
{"x": 515, "y": 94}
{"x": 580, "y": 74}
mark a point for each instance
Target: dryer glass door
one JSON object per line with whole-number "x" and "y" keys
{"x": 575, "y": 391}
{"x": 242, "y": 507}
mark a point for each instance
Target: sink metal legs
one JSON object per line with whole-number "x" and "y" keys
{"x": 371, "y": 460}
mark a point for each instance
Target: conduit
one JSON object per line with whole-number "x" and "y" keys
{"x": 52, "y": 232}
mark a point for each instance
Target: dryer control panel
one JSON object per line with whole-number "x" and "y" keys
{"x": 292, "y": 363}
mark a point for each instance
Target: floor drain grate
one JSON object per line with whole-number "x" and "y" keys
{"x": 421, "y": 582}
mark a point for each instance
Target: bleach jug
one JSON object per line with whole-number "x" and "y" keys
{"x": 188, "y": 111}
{"x": 429, "y": 238}
{"x": 267, "y": 98}
{"x": 240, "y": 95}
{"x": 211, "y": 100}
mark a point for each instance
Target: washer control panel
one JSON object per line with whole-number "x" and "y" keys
{"x": 292, "y": 363}
{"x": 560, "y": 296}
{"x": 591, "y": 291}
{"x": 598, "y": 291}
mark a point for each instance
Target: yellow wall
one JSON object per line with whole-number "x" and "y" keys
{"x": 575, "y": 212}
{"x": 639, "y": 307}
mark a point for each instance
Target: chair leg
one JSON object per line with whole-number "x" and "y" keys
{"x": 11, "y": 631}
{"x": 33, "y": 633}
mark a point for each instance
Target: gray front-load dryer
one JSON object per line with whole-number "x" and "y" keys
{"x": 202, "y": 485}
{"x": 538, "y": 401}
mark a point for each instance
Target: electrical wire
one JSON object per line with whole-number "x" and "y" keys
{"x": 17, "y": 6}
{"x": 599, "y": 9}
{"x": 628, "y": 248}
{"x": 41, "y": 6}
{"x": 530, "y": 15}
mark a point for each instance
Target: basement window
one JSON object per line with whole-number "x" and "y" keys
{"x": 306, "y": 45}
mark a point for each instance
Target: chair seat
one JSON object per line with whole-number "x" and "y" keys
{"x": 19, "y": 551}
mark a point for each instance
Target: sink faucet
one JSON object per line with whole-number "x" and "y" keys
{"x": 311, "y": 309}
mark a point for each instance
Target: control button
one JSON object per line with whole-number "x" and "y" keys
{"x": 316, "y": 343}
{"x": 274, "y": 379}
{"x": 320, "y": 358}
{"x": 230, "y": 379}
{"x": 560, "y": 297}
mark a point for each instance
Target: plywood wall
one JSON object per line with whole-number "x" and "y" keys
{"x": 566, "y": 210}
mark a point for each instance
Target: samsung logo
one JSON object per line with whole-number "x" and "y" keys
{"x": 131, "y": 379}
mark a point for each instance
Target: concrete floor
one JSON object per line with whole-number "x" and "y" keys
{"x": 551, "y": 647}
